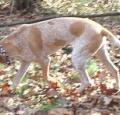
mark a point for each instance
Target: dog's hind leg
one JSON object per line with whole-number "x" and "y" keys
{"x": 103, "y": 55}
{"x": 83, "y": 49}
{"x": 79, "y": 60}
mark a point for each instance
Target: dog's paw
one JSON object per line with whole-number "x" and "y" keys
{"x": 84, "y": 88}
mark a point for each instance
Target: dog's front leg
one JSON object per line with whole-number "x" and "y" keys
{"x": 45, "y": 64}
{"x": 21, "y": 72}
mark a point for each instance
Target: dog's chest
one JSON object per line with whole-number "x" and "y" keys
{"x": 27, "y": 54}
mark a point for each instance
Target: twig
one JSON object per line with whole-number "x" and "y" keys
{"x": 12, "y": 6}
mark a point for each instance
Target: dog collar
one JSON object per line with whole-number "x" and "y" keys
{"x": 4, "y": 55}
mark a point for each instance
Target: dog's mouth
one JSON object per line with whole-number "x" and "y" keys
{"x": 4, "y": 58}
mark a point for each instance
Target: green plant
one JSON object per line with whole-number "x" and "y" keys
{"x": 1, "y": 37}
{"x": 23, "y": 86}
{"x": 92, "y": 67}
{"x": 1, "y": 66}
{"x": 24, "y": 79}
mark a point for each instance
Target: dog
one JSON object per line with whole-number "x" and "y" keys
{"x": 35, "y": 42}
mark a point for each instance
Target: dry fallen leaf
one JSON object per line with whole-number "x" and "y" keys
{"x": 60, "y": 111}
{"x": 6, "y": 89}
{"x": 2, "y": 72}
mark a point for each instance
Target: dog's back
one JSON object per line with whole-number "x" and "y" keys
{"x": 58, "y": 32}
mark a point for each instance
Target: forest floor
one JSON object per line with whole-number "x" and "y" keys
{"x": 62, "y": 97}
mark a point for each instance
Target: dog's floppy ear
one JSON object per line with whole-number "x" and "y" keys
{"x": 11, "y": 47}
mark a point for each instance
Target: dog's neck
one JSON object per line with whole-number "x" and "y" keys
{"x": 4, "y": 55}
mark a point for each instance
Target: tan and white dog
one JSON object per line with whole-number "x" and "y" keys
{"x": 35, "y": 42}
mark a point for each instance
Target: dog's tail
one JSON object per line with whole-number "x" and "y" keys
{"x": 111, "y": 37}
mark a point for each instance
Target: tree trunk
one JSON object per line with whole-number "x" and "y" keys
{"x": 21, "y": 4}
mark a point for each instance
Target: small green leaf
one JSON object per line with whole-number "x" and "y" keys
{"x": 92, "y": 67}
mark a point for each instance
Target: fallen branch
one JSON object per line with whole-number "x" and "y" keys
{"x": 46, "y": 18}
